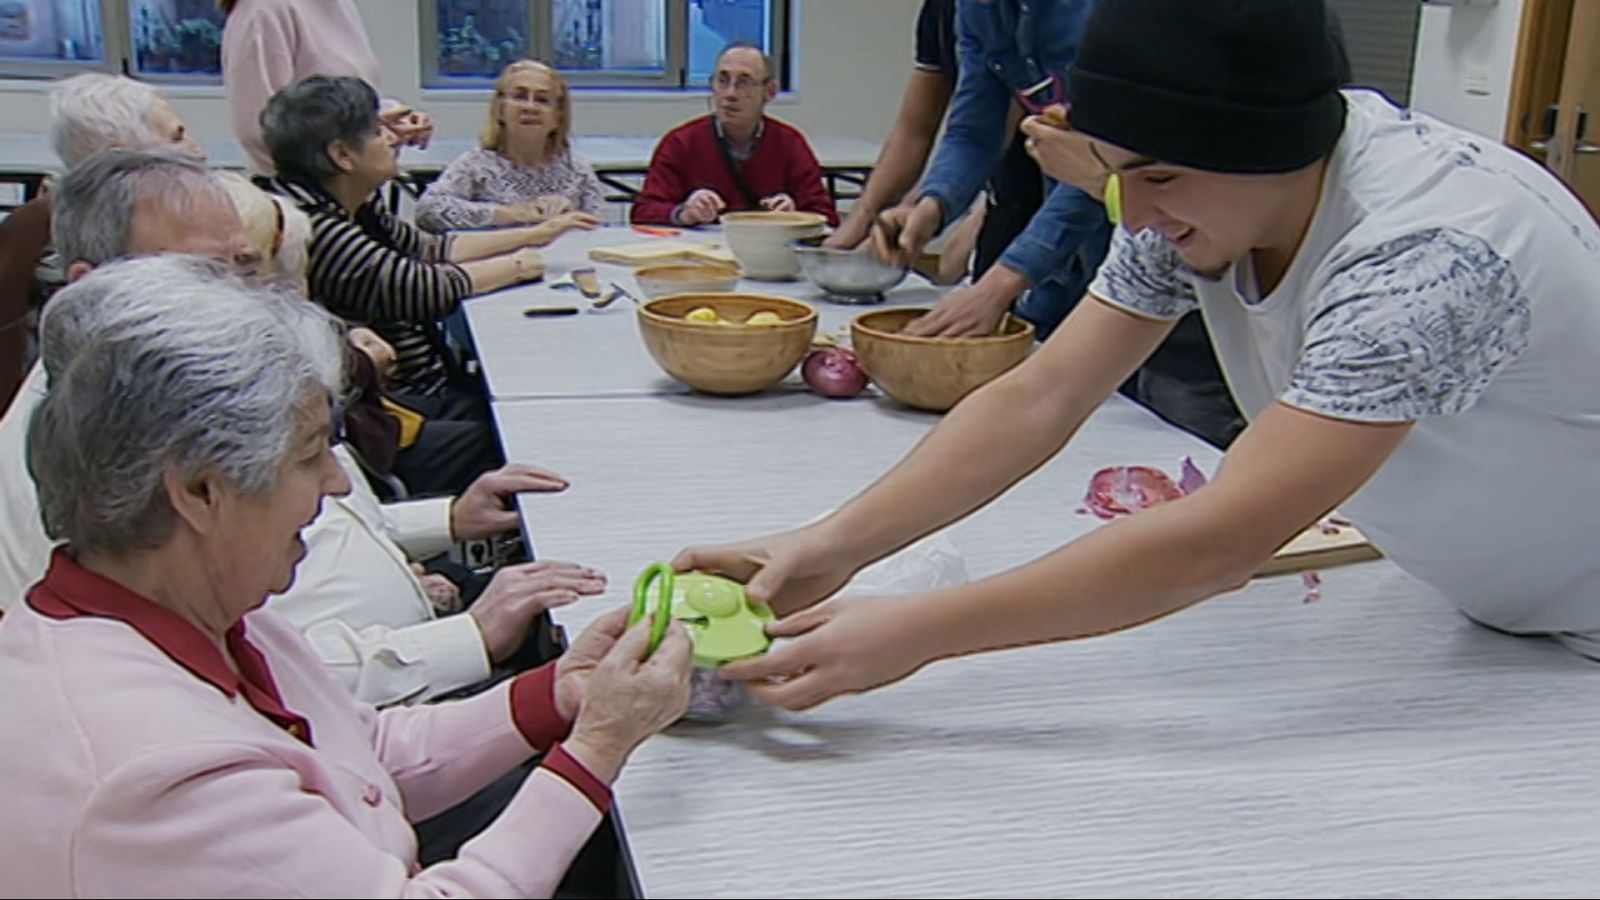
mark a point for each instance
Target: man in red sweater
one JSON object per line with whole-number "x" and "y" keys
{"x": 736, "y": 158}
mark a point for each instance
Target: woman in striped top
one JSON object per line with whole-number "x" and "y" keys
{"x": 333, "y": 156}
{"x": 524, "y": 171}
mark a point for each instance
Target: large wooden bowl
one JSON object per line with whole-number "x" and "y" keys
{"x": 933, "y": 373}
{"x": 727, "y": 359}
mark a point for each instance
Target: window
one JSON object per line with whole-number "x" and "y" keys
{"x": 176, "y": 38}
{"x": 161, "y": 40}
{"x": 618, "y": 43}
{"x": 46, "y": 38}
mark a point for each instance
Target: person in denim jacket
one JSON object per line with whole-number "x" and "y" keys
{"x": 1014, "y": 55}
{"x": 1011, "y": 52}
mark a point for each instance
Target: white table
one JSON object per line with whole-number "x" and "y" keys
{"x": 1371, "y": 744}
{"x": 599, "y": 352}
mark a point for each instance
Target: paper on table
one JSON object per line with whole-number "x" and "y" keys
{"x": 642, "y": 252}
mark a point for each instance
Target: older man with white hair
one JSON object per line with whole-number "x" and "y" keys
{"x": 88, "y": 113}
{"x": 95, "y": 111}
{"x": 357, "y": 598}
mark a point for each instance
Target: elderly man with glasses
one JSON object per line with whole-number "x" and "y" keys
{"x": 735, "y": 159}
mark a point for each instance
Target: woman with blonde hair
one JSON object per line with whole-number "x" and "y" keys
{"x": 525, "y": 170}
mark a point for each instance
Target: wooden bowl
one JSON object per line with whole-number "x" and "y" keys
{"x": 933, "y": 373}
{"x": 727, "y": 359}
{"x": 686, "y": 278}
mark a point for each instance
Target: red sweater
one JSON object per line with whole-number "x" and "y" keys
{"x": 688, "y": 159}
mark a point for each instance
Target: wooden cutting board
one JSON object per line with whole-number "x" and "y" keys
{"x": 1314, "y": 549}
{"x": 659, "y": 251}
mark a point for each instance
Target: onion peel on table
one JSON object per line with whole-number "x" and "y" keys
{"x": 1124, "y": 490}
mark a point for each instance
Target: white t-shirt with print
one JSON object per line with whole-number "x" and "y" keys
{"x": 1450, "y": 281}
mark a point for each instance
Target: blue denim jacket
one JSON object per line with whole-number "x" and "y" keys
{"x": 1007, "y": 46}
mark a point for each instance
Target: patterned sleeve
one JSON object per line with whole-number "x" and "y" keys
{"x": 1143, "y": 274}
{"x": 451, "y": 201}
{"x": 1417, "y": 327}
{"x": 413, "y": 241}
{"x": 588, "y": 195}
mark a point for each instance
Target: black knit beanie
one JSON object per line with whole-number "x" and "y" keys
{"x": 1242, "y": 86}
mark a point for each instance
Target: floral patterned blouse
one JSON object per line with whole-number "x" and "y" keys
{"x": 478, "y": 181}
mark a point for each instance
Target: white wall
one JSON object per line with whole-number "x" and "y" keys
{"x": 854, "y": 59}
{"x": 1463, "y": 66}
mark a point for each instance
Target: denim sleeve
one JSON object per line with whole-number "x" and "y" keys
{"x": 974, "y": 136}
{"x": 1067, "y": 218}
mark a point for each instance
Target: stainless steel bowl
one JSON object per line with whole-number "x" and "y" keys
{"x": 847, "y": 276}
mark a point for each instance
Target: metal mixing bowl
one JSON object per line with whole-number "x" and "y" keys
{"x": 848, "y": 276}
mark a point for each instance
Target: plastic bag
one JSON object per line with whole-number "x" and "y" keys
{"x": 931, "y": 563}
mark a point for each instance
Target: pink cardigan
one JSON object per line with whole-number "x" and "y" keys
{"x": 135, "y": 761}
{"x": 268, "y": 45}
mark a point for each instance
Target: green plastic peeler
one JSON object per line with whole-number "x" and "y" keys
{"x": 723, "y": 623}
{"x": 1113, "y": 199}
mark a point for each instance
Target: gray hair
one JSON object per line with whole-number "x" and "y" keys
{"x": 300, "y": 121}
{"x": 93, "y": 111}
{"x": 93, "y": 205}
{"x": 167, "y": 361}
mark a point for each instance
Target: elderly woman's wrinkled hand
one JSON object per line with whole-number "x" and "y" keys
{"x": 518, "y": 595}
{"x": 552, "y": 228}
{"x": 630, "y": 695}
{"x": 380, "y": 351}
{"x": 489, "y": 505}
{"x": 551, "y": 205}
{"x": 577, "y": 663}
{"x": 410, "y": 127}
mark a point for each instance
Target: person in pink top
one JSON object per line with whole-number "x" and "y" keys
{"x": 268, "y": 45}
{"x": 166, "y": 736}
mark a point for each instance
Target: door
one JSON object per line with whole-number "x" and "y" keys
{"x": 1555, "y": 100}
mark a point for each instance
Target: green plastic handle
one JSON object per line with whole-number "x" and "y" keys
{"x": 1114, "y": 199}
{"x": 641, "y": 602}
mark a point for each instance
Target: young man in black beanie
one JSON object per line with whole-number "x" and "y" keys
{"x": 1404, "y": 310}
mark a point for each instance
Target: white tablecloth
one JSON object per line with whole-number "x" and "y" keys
{"x": 1371, "y": 744}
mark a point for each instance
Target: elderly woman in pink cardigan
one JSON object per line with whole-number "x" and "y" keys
{"x": 268, "y": 45}
{"x": 166, "y": 736}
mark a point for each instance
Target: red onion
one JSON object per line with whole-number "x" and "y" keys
{"x": 834, "y": 372}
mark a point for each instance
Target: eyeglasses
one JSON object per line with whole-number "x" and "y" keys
{"x": 528, "y": 100}
{"x": 743, "y": 84}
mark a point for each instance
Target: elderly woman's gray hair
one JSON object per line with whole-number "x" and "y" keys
{"x": 167, "y": 361}
{"x": 93, "y": 111}
{"x": 300, "y": 121}
{"x": 93, "y": 205}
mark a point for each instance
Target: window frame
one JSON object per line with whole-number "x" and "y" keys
{"x": 116, "y": 35}
{"x": 674, "y": 76}
{"x": 113, "y": 42}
